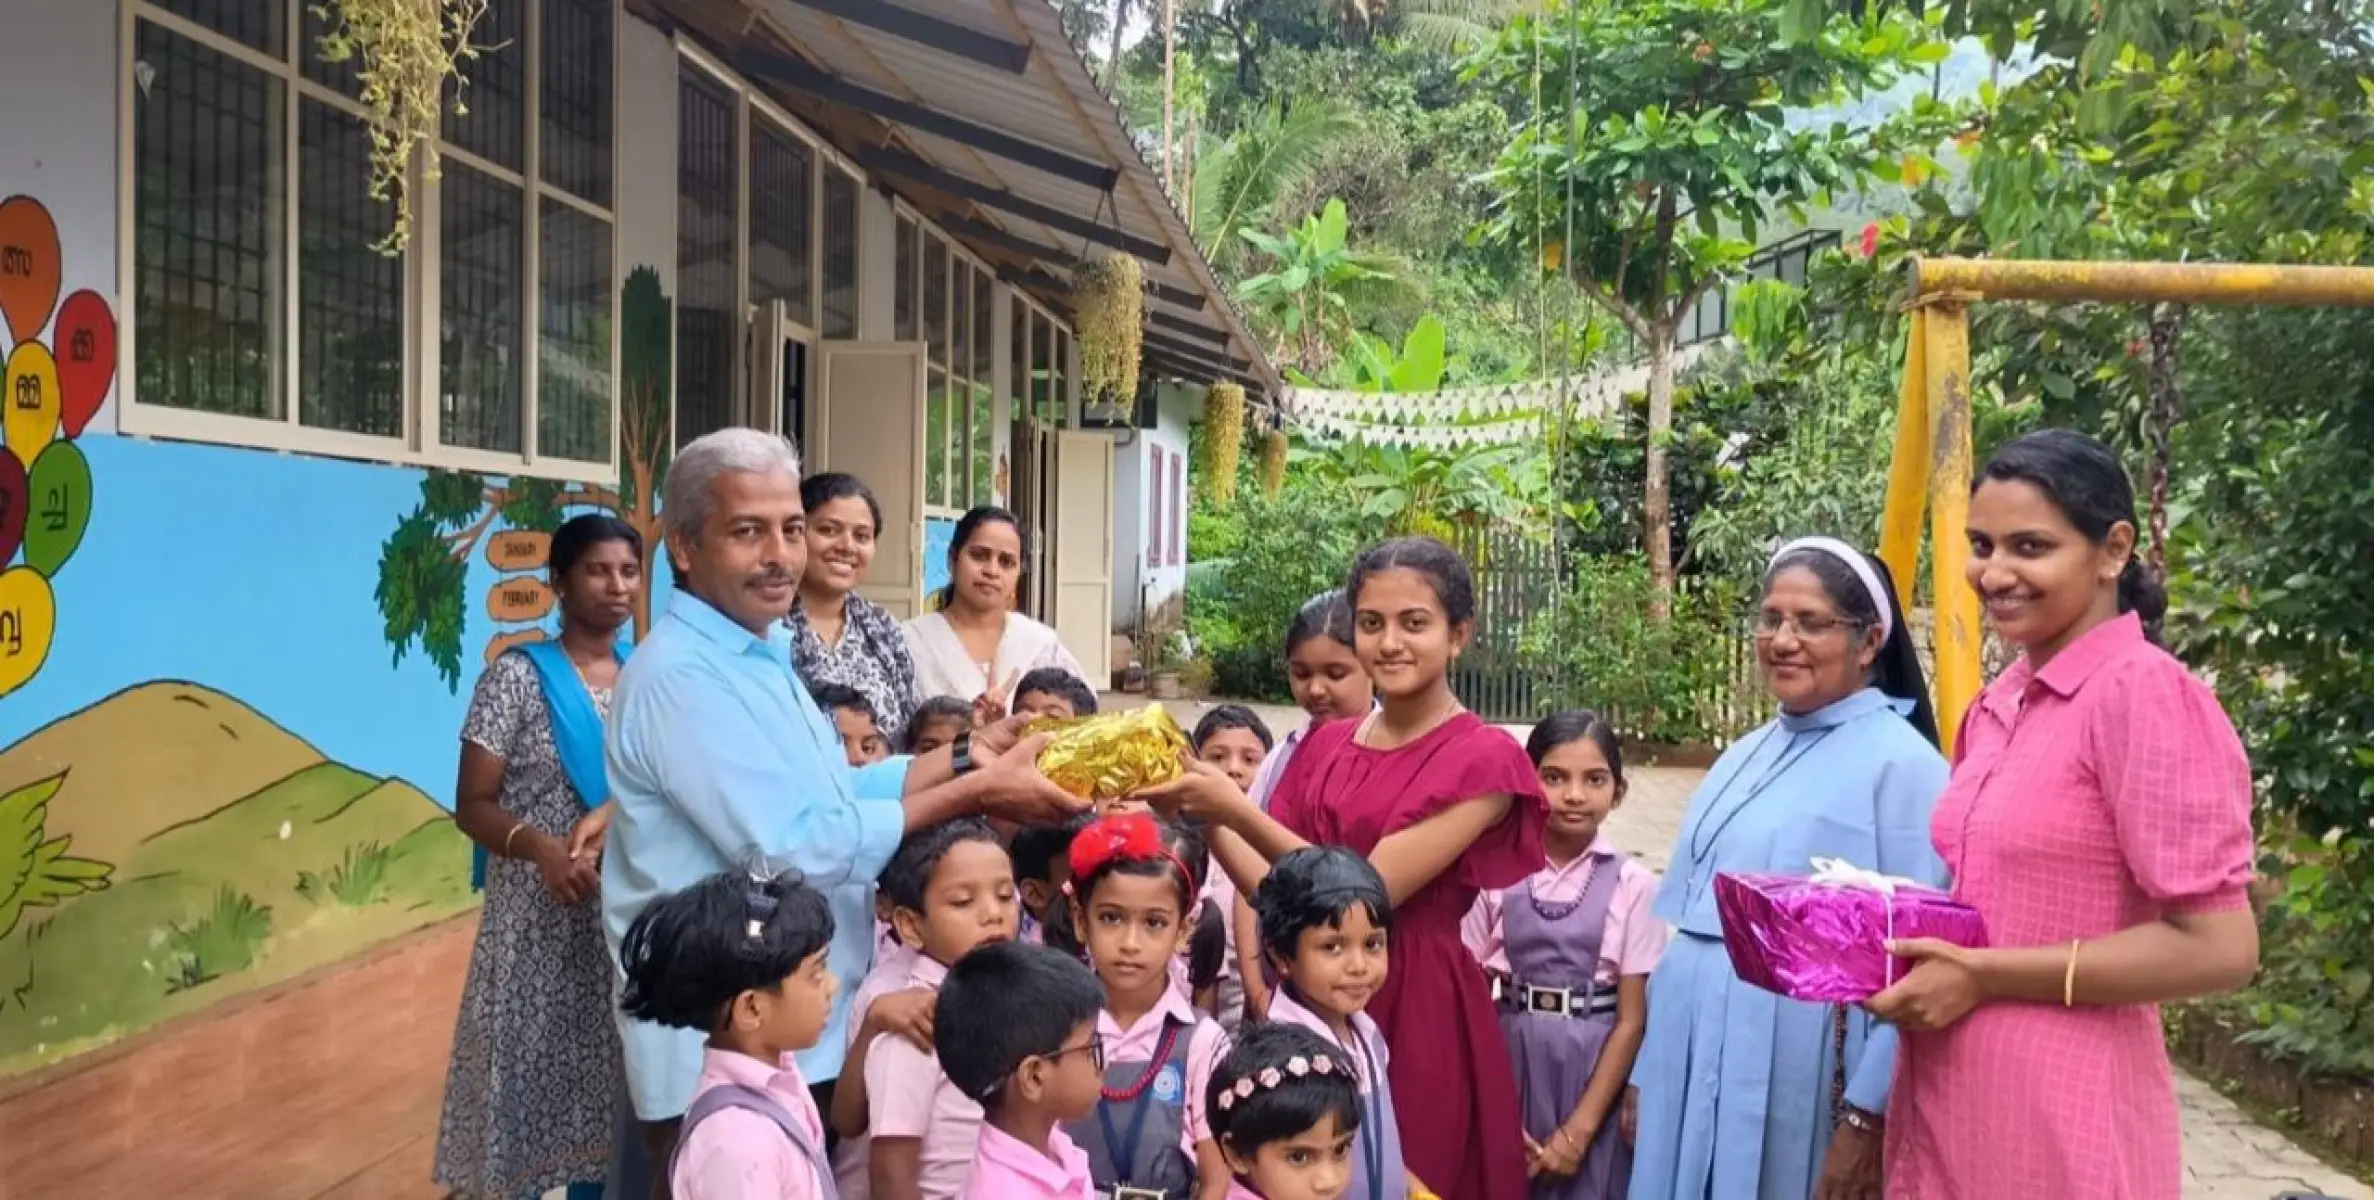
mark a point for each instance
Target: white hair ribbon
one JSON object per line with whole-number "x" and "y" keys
{"x": 1861, "y": 566}
{"x": 1838, "y": 872}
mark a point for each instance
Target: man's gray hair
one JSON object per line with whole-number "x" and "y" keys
{"x": 691, "y": 488}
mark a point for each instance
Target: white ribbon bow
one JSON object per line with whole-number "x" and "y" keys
{"x": 1838, "y": 872}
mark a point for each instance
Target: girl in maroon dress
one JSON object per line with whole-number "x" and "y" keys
{"x": 1444, "y": 806}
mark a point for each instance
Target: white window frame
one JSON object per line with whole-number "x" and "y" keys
{"x": 751, "y": 106}
{"x": 1040, "y": 314}
{"x": 961, "y": 466}
{"x": 419, "y": 445}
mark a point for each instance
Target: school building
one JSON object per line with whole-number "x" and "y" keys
{"x": 270, "y": 498}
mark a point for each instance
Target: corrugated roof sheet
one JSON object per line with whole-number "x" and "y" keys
{"x": 1054, "y": 103}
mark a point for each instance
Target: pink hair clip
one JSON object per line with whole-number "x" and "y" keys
{"x": 1269, "y": 1077}
{"x": 1298, "y": 1066}
{"x": 1242, "y": 1089}
{"x": 1323, "y": 1064}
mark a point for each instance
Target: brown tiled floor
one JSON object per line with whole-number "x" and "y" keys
{"x": 327, "y": 1088}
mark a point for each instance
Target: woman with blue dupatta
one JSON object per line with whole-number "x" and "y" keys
{"x": 532, "y": 1090}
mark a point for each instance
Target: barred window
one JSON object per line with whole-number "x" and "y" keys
{"x": 707, "y": 269}
{"x": 250, "y": 179}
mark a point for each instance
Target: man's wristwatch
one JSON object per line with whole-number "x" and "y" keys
{"x": 1858, "y": 1120}
{"x": 960, "y": 755}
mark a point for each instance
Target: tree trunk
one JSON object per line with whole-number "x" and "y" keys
{"x": 1170, "y": 151}
{"x": 2167, "y": 404}
{"x": 1657, "y": 507}
{"x": 1113, "y": 48}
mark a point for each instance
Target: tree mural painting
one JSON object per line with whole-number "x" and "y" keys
{"x": 49, "y": 391}
{"x": 424, "y": 563}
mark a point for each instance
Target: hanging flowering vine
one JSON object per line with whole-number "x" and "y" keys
{"x": 403, "y": 51}
{"x": 1273, "y": 463}
{"x": 1223, "y": 439}
{"x": 1108, "y": 305}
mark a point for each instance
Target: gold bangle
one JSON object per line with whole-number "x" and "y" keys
{"x": 509, "y": 836}
{"x": 2069, "y": 978}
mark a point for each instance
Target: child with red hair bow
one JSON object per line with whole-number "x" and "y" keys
{"x": 1135, "y": 903}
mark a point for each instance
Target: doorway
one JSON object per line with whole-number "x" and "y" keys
{"x": 780, "y": 375}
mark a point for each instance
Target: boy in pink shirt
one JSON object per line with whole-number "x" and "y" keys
{"x": 744, "y": 959}
{"x": 1017, "y": 1030}
{"x": 951, "y": 889}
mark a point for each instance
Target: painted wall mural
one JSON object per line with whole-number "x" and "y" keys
{"x": 53, "y": 388}
{"x": 217, "y": 780}
{"x": 423, "y": 563}
{"x": 426, "y": 559}
{"x": 214, "y": 775}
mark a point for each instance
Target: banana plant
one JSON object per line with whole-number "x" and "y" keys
{"x": 1315, "y": 282}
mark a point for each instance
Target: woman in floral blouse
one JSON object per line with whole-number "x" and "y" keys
{"x": 839, "y": 636}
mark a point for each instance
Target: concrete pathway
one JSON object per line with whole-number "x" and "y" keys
{"x": 2227, "y": 1155}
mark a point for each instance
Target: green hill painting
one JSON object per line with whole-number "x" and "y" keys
{"x": 169, "y": 847}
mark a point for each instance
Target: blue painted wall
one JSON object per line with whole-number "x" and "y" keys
{"x": 252, "y": 574}
{"x": 938, "y": 532}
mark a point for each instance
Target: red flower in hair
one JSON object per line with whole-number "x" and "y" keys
{"x": 1130, "y": 837}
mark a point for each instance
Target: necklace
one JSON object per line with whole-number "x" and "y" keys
{"x": 1368, "y": 727}
{"x": 1789, "y": 756}
{"x": 1559, "y": 912}
{"x": 1154, "y": 1066}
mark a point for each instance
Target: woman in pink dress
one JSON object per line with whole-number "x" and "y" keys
{"x": 2099, "y": 817}
{"x": 1443, "y": 805}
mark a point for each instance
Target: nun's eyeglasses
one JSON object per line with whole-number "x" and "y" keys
{"x": 1770, "y": 624}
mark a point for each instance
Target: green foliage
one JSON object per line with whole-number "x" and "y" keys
{"x": 224, "y": 940}
{"x": 1279, "y": 554}
{"x": 1371, "y": 364}
{"x": 1242, "y": 175}
{"x": 1601, "y": 488}
{"x": 1680, "y": 145}
{"x": 1678, "y": 682}
{"x": 2275, "y": 515}
{"x": 420, "y": 590}
{"x": 2313, "y": 1000}
{"x": 1314, "y": 282}
{"x": 1814, "y": 386}
{"x": 358, "y": 878}
{"x": 532, "y": 503}
{"x": 1402, "y": 490}
{"x": 424, "y": 562}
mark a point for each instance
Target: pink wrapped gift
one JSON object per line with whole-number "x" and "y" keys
{"x": 1822, "y": 937}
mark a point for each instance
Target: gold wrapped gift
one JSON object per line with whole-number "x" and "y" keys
{"x": 1110, "y": 755}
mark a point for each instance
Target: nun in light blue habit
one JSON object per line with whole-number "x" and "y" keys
{"x": 1742, "y": 1093}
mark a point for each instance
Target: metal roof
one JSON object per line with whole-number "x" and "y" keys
{"x": 925, "y": 96}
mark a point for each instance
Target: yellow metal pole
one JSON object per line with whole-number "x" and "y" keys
{"x": 1908, "y": 471}
{"x": 1945, "y": 360}
{"x": 2143, "y": 283}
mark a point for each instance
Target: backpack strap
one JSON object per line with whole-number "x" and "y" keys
{"x": 749, "y": 1099}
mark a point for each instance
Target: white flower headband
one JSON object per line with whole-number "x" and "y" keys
{"x": 1269, "y": 1077}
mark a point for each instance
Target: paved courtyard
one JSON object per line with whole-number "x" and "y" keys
{"x": 2227, "y": 1155}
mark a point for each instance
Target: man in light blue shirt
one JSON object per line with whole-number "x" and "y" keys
{"x": 720, "y": 760}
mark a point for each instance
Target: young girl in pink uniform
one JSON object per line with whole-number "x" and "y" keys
{"x": 1285, "y": 1106}
{"x": 743, "y": 959}
{"x": 1327, "y": 928}
{"x": 1570, "y": 950}
{"x": 1132, "y": 897}
{"x": 2099, "y": 817}
{"x": 951, "y": 888}
{"x": 1328, "y": 683}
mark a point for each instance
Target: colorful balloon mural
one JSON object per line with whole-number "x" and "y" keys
{"x": 49, "y": 393}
